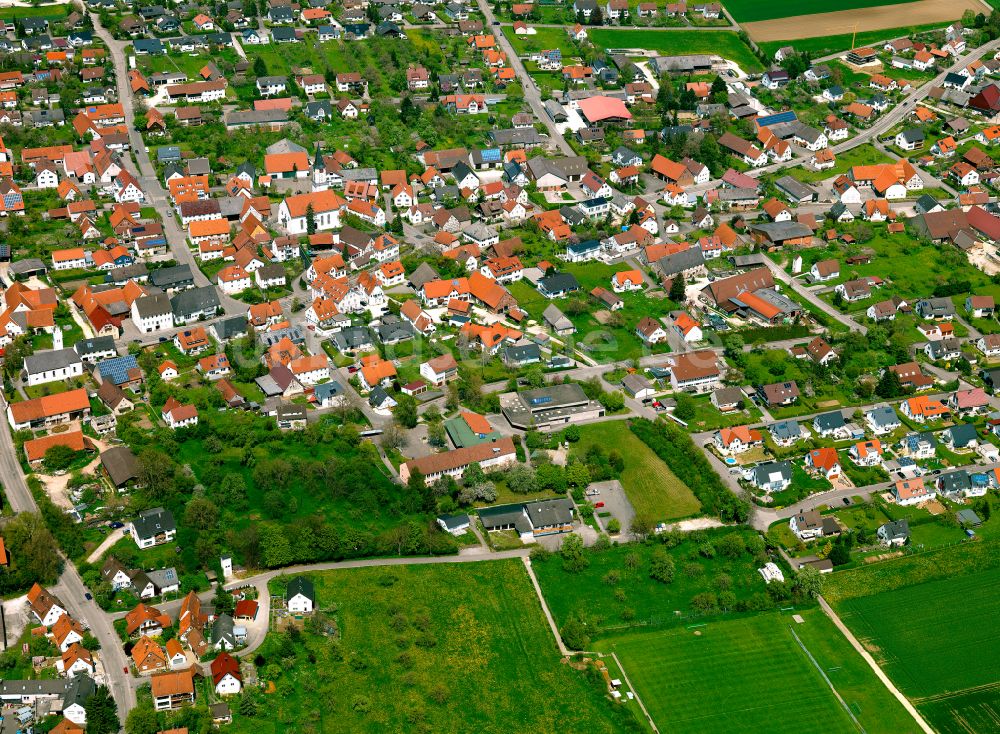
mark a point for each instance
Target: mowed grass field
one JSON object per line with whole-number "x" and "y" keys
{"x": 751, "y": 675}
{"x": 439, "y": 648}
{"x": 933, "y": 638}
{"x": 749, "y": 10}
{"x": 678, "y": 43}
{"x": 654, "y": 491}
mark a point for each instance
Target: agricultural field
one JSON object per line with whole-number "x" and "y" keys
{"x": 654, "y": 491}
{"x": 615, "y": 591}
{"x": 752, "y": 675}
{"x": 821, "y": 45}
{"x": 672, "y": 43}
{"x": 869, "y": 17}
{"x": 748, "y": 10}
{"x": 457, "y": 647}
{"x": 961, "y": 713}
{"x": 944, "y": 655}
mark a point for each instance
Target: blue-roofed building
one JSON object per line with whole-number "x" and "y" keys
{"x": 768, "y": 120}
{"x": 121, "y": 371}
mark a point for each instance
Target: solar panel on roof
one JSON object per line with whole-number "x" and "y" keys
{"x": 788, "y": 116}
{"x": 492, "y": 154}
{"x": 116, "y": 369}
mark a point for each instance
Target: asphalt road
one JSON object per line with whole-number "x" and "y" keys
{"x": 70, "y": 587}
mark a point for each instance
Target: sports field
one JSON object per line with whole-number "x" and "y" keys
{"x": 654, "y": 491}
{"x": 750, "y": 10}
{"x": 866, "y": 17}
{"x": 677, "y": 43}
{"x": 752, "y": 675}
{"x": 933, "y": 638}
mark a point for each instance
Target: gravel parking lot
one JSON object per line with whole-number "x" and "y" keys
{"x": 615, "y": 501}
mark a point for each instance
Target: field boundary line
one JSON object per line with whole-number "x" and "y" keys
{"x": 828, "y": 610}
{"x": 828, "y": 682}
{"x": 638, "y": 698}
{"x": 955, "y": 694}
{"x": 563, "y": 650}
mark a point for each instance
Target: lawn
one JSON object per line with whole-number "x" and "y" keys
{"x": 615, "y": 593}
{"x": 54, "y": 12}
{"x": 543, "y": 38}
{"x": 673, "y": 43}
{"x": 654, "y": 491}
{"x": 863, "y": 155}
{"x": 914, "y": 635}
{"x": 459, "y": 647}
{"x": 745, "y": 11}
{"x": 751, "y": 675}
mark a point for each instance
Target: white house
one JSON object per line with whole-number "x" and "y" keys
{"x": 300, "y": 596}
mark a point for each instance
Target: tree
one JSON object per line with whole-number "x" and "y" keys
{"x": 473, "y": 474}
{"x": 31, "y": 543}
{"x": 201, "y": 513}
{"x": 143, "y": 719}
{"x": 310, "y": 220}
{"x": 102, "y": 713}
{"x": 640, "y": 527}
{"x": 259, "y": 67}
{"x": 840, "y": 554}
{"x": 436, "y": 435}
{"x": 573, "y": 555}
{"x": 677, "y": 286}
{"x": 889, "y": 385}
{"x": 661, "y": 566}
{"x": 248, "y": 704}
{"x": 808, "y": 582}
{"x": 521, "y": 479}
{"x": 686, "y": 407}
{"x": 393, "y": 437}
{"x": 577, "y": 475}
{"x": 406, "y": 411}
{"x": 574, "y": 634}
{"x": 58, "y": 457}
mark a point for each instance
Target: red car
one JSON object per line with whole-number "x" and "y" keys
{"x": 599, "y": 504}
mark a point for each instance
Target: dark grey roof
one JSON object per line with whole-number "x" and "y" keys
{"x": 763, "y": 473}
{"x": 301, "y": 585}
{"x": 559, "y": 283}
{"x": 550, "y": 512}
{"x": 171, "y": 277}
{"x": 53, "y": 359}
{"x": 780, "y": 231}
{"x": 830, "y": 421}
{"x": 680, "y": 262}
{"x": 230, "y": 327}
{"x": 194, "y": 300}
{"x": 151, "y": 522}
{"x": 156, "y": 304}
{"x": 522, "y": 353}
{"x": 96, "y": 345}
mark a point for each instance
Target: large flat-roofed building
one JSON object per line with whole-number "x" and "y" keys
{"x": 549, "y": 407}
